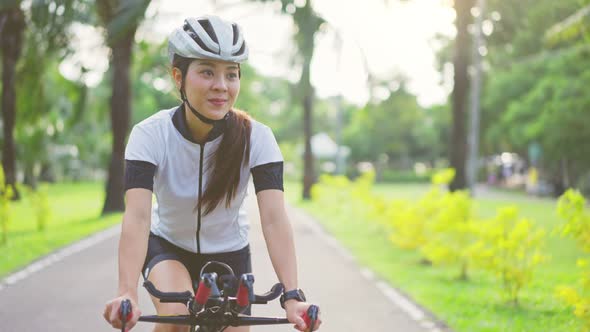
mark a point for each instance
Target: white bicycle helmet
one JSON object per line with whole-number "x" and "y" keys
{"x": 208, "y": 37}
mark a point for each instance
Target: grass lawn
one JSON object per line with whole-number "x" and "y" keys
{"x": 471, "y": 306}
{"x": 75, "y": 213}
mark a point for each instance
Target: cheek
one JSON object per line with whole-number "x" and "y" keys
{"x": 235, "y": 90}
{"x": 193, "y": 84}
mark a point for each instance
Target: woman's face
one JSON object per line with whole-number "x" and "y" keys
{"x": 211, "y": 86}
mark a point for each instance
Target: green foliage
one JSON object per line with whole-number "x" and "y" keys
{"x": 452, "y": 232}
{"x": 121, "y": 18}
{"x": 75, "y": 208}
{"x": 410, "y": 222}
{"x": 529, "y": 94}
{"x": 5, "y": 208}
{"x": 40, "y": 203}
{"x": 571, "y": 208}
{"x": 510, "y": 248}
{"x": 399, "y": 128}
{"x": 573, "y": 29}
{"x": 545, "y": 105}
{"x": 443, "y": 228}
{"x": 395, "y": 176}
{"x": 521, "y": 26}
{"x": 476, "y": 305}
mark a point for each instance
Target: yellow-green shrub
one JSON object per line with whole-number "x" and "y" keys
{"x": 410, "y": 221}
{"x": 571, "y": 208}
{"x": 451, "y": 232}
{"x": 509, "y": 247}
{"x": 40, "y": 203}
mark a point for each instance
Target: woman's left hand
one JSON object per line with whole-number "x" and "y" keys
{"x": 295, "y": 312}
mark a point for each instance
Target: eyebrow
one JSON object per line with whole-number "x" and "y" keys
{"x": 210, "y": 64}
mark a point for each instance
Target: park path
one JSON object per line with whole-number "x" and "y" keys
{"x": 69, "y": 294}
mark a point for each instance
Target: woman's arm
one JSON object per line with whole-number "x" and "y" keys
{"x": 132, "y": 251}
{"x": 278, "y": 235}
{"x": 134, "y": 238}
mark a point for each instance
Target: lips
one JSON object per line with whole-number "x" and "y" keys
{"x": 217, "y": 101}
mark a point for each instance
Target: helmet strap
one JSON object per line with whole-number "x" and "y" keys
{"x": 201, "y": 117}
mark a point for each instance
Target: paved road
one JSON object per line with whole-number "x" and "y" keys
{"x": 69, "y": 295}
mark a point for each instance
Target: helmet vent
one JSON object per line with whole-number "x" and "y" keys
{"x": 241, "y": 50}
{"x": 236, "y": 33}
{"x": 209, "y": 29}
{"x": 191, "y": 32}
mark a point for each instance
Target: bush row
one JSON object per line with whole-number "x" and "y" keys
{"x": 443, "y": 228}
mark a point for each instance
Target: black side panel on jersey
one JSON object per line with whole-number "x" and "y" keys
{"x": 139, "y": 174}
{"x": 268, "y": 176}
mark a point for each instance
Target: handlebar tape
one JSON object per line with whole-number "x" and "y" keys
{"x": 167, "y": 297}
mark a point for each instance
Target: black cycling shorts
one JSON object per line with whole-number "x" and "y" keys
{"x": 160, "y": 249}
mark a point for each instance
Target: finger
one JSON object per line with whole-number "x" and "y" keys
{"x": 298, "y": 328}
{"x": 129, "y": 325}
{"x": 105, "y": 314}
{"x": 300, "y": 323}
{"x": 135, "y": 315}
{"x": 114, "y": 317}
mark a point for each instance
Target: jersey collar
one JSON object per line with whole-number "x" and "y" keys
{"x": 179, "y": 121}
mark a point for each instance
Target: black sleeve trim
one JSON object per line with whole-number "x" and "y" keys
{"x": 139, "y": 174}
{"x": 268, "y": 176}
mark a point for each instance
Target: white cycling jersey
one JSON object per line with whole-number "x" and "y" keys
{"x": 176, "y": 180}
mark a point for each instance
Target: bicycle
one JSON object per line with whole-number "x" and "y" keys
{"x": 211, "y": 309}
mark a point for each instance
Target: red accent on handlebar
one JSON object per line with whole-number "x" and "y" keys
{"x": 242, "y": 296}
{"x": 203, "y": 293}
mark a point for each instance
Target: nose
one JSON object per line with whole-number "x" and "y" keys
{"x": 219, "y": 83}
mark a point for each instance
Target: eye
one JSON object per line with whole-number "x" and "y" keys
{"x": 207, "y": 72}
{"x": 232, "y": 76}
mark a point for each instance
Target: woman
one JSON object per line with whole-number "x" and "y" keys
{"x": 197, "y": 159}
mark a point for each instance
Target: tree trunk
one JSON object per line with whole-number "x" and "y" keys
{"x": 12, "y": 24}
{"x": 120, "y": 118}
{"x": 30, "y": 178}
{"x": 458, "y": 148}
{"x": 308, "y": 172}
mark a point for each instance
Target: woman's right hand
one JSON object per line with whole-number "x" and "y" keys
{"x": 112, "y": 312}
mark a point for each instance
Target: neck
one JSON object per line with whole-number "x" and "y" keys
{"x": 199, "y": 130}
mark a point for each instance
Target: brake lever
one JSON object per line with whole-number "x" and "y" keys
{"x": 207, "y": 289}
{"x": 245, "y": 294}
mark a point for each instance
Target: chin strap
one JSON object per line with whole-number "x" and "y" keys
{"x": 201, "y": 117}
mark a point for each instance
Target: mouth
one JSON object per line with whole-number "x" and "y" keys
{"x": 217, "y": 101}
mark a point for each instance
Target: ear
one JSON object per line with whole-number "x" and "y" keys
{"x": 177, "y": 76}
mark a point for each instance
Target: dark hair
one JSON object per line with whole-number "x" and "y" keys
{"x": 231, "y": 155}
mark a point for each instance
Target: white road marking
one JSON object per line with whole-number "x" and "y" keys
{"x": 398, "y": 299}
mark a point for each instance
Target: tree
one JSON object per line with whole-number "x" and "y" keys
{"x": 45, "y": 45}
{"x": 307, "y": 23}
{"x": 121, "y": 19}
{"x": 397, "y": 127}
{"x": 12, "y": 25}
{"x": 458, "y": 148}
{"x": 535, "y": 49}
{"x": 573, "y": 28}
